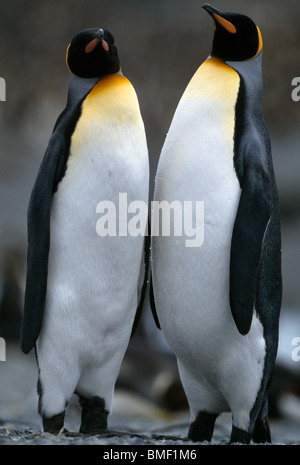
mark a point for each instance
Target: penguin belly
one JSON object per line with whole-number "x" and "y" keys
{"x": 92, "y": 280}
{"x": 219, "y": 367}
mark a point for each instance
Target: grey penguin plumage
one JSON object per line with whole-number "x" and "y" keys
{"x": 218, "y": 304}
{"x": 84, "y": 291}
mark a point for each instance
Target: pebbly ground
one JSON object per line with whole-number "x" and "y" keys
{"x": 136, "y": 420}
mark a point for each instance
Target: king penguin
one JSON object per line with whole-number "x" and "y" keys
{"x": 83, "y": 289}
{"x": 218, "y": 304}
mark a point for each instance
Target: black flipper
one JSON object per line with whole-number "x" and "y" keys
{"x": 144, "y": 277}
{"x": 50, "y": 173}
{"x": 247, "y": 239}
{"x": 146, "y": 280}
{"x": 38, "y": 221}
{"x": 152, "y": 305}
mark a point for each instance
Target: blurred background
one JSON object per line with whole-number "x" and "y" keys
{"x": 161, "y": 43}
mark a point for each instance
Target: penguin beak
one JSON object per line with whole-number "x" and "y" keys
{"x": 220, "y": 18}
{"x": 94, "y": 42}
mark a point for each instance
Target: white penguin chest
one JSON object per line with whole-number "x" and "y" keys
{"x": 109, "y": 144}
{"x": 108, "y": 156}
{"x": 196, "y": 164}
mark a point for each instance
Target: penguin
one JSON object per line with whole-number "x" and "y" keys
{"x": 218, "y": 303}
{"x": 84, "y": 289}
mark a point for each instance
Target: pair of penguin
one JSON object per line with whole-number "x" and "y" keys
{"x": 218, "y": 304}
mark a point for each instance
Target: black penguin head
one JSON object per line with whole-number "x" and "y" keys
{"x": 236, "y": 37}
{"x": 92, "y": 53}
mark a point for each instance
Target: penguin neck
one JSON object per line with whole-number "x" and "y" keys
{"x": 250, "y": 71}
{"x": 80, "y": 87}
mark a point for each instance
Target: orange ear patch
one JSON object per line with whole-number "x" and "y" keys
{"x": 229, "y": 27}
{"x": 105, "y": 45}
{"x": 91, "y": 45}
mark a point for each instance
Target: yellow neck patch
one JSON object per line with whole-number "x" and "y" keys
{"x": 112, "y": 98}
{"x": 107, "y": 112}
{"x": 215, "y": 80}
{"x": 215, "y": 86}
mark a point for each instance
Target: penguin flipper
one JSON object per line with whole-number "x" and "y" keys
{"x": 152, "y": 304}
{"x": 143, "y": 281}
{"x": 38, "y": 220}
{"x": 247, "y": 241}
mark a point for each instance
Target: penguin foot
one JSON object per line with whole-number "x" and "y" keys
{"x": 262, "y": 432}
{"x": 93, "y": 416}
{"x": 239, "y": 435}
{"x": 55, "y": 424}
{"x": 203, "y": 427}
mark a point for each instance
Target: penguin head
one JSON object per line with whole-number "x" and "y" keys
{"x": 236, "y": 37}
{"x": 92, "y": 53}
